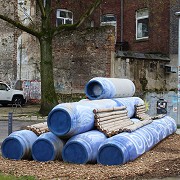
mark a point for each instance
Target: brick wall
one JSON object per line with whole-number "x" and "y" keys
{"x": 78, "y": 7}
{"x": 158, "y": 40}
{"x": 174, "y": 26}
{"x": 159, "y": 21}
{"x": 81, "y": 55}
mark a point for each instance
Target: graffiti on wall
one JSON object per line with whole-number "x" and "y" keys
{"x": 172, "y": 103}
{"x": 32, "y": 90}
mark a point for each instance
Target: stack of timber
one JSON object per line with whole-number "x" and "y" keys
{"x": 111, "y": 121}
{"x": 140, "y": 112}
{"x": 39, "y": 128}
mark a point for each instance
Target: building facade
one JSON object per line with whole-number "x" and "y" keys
{"x": 125, "y": 39}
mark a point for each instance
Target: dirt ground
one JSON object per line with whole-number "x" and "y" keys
{"x": 28, "y": 109}
{"x": 162, "y": 161}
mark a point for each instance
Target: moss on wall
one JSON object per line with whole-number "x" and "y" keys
{"x": 143, "y": 82}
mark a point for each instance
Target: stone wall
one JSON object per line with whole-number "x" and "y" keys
{"x": 148, "y": 75}
{"x": 151, "y": 82}
{"x": 19, "y": 52}
{"x": 7, "y": 44}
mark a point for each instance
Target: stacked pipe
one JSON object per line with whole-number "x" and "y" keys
{"x": 47, "y": 147}
{"x": 83, "y": 148}
{"x": 101, "y": 88}
{"x": 126, "y": 147}
{"x": 69, "y": 119}
{"x": 75, "y": 138}
{"x": 18, "y": 145}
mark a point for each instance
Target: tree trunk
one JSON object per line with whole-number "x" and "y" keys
{"x": 48, "y": 95}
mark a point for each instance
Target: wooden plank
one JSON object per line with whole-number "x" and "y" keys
{"x": 136, "y": 126}
{"x": 110, "y": 118}
{"x": 117, "y": 127}
{"x": 97, "y": 122}
{"x": 108, "y": 109}
{"x": 105, "y": 114}
{"x": 114, "y": 124}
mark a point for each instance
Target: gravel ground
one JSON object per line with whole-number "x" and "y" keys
{"x": 160, "y": 162}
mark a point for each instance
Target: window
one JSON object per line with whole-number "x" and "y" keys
{"x": 109, "y": 19}
{"x": 3, "y": 87}
{"x": 142, "y": 21}
{"x": 64, "y": 16}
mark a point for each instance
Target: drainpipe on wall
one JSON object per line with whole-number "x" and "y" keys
{"x": 122, "y": 14}
{"x": 178, "y": 72}
{"x": 20, "y": 60}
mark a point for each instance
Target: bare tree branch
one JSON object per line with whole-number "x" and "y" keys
{"x": 88, "y": 12}
{"x": 81, "y": 20}
{"x": 64, "y": 27}
{"x": 40, "y": 3}
{"x": 27, "y": 15}
{"x": 20, "y": 26}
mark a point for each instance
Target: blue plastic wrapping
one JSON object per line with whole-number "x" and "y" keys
{"x": 104, "y": 88}
{"x": 47, "y": 147}
{"x": 125, "y": 147}
{"x": 68, "y": 119}
{"x": 83, "y": 148}
{"x": 18, "y": 145}
{"x": 129, "y": 103}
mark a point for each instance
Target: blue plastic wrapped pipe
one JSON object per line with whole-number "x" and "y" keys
{"x": 47, "y": 147}
{"x": 129, "y": 103}
{"x": 126, "y": 147}
{"x": 83, "y": 148}
{"x": 107, "y": 88}
{"x": 68, "y": 119}
{"x": 18, "y": 145}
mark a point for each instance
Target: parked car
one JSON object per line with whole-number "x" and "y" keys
{"x": 11, "y": 96}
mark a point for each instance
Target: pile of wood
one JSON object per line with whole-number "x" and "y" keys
{"x": 39, "y": 128}
{"x": 140, "y": 112}
{"x": 111, "y": 121}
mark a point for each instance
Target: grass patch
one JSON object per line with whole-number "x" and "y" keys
{"x": 10, "y": 177}
{"x": 64, "y": 98}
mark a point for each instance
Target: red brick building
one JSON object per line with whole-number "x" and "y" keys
{"x": 145, "y": 49}
{"x": 141, "y": 25}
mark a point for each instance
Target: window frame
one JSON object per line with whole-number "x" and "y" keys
{"x": 112, "y": 23}
{"x": 64, "y": 19}
{"x": 108, "y": 15}
{"x": 142, "y": 18}
{"x": 3, "y": 87}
